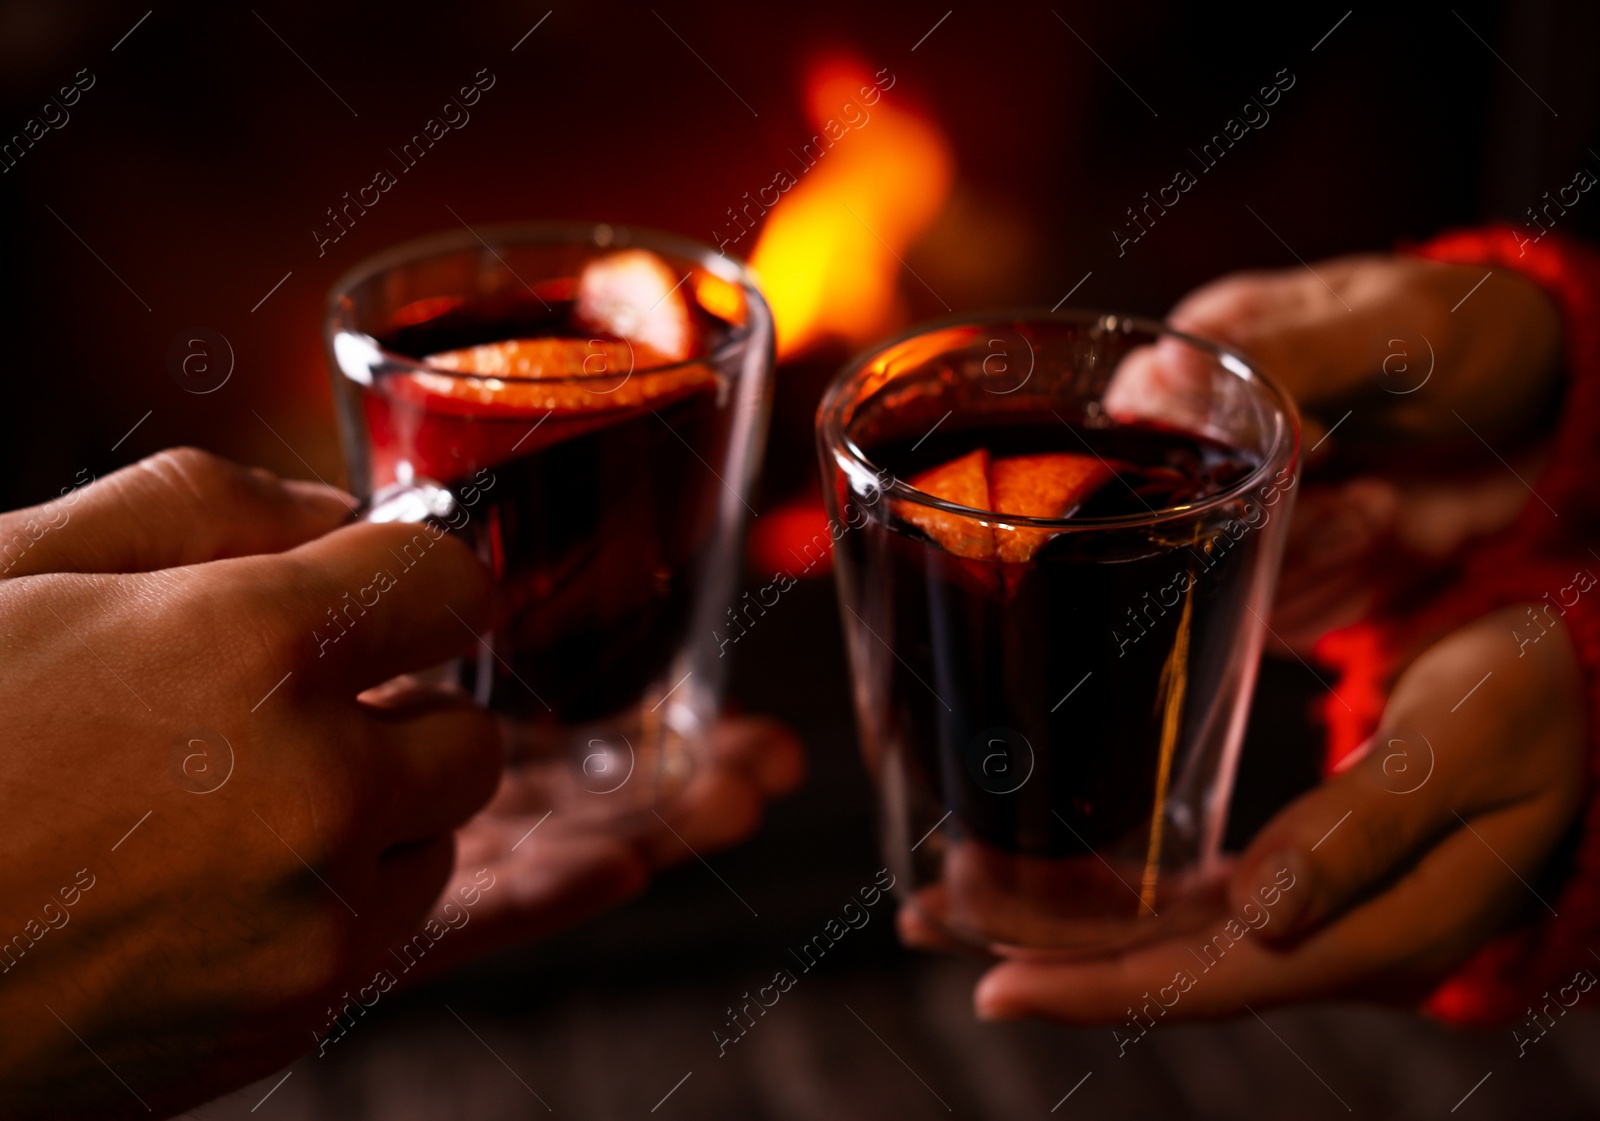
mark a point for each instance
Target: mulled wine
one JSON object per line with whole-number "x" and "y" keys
{"x": 1055, "y": 540}
{"x": 596, "y": 507}
{"x": 992, "y": 637}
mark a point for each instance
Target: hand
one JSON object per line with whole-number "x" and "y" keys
{"x": 1453, "y": 795}
{"x": 1326, "y": 335}
{"x": 565, "y": 870}
{"x": 207, "y": 835}
{"x": 1370, "y": 346}
{"x": 1387, "y": 875}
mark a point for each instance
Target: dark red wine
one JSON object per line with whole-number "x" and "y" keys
{"x": 594, "y": 503}
{"x": 1046, "y": 688}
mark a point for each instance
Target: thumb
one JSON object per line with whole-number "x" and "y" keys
{"x": 1515, "y": 744}
{"x": 179, "y": 507}
{"x": 1428, "y": 764}
{"x": 1294, "y": 326}
{"x": 1229, "y": 308}
{"x": 1347, "y": 836}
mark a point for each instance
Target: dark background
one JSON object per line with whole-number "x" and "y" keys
{"x": 206, "y": 153}
{"x": 188, "y": 182}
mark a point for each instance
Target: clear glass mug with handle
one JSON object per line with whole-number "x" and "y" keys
{"x": 585, "y": 406}
{"x": 1056, "y": 541}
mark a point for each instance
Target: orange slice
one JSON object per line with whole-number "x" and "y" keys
{"x": 635, "y": 295}
{"x": 532, "y": 377}
{"x": 964, "y": 481}
{"x": 1039, "y": 486}
{"x": 1033, "y": 486}
{"x": 550, "y": 358}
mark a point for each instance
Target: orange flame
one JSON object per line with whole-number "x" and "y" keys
{"x": 877, "y": 173}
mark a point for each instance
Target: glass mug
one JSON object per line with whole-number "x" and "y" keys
{"x": 1051, "y": 706}
{"x": 600, "y": 465}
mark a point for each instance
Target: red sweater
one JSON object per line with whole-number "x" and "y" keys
{"x": 1536, "y": 555}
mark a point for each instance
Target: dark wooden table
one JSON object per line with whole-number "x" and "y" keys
{"x": 615, "y": 1020}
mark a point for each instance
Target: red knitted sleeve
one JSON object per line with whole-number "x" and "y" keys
{"x": 1541, "y": 558}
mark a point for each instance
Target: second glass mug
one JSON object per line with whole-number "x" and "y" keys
{"x": 607, "y": 496}
{"x": 1052, "y": 707}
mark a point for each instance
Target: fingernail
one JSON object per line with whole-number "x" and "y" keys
{"x": 1352, "y": 757}
{"x": 318, "y": 497}
{"x": 992, "y": 1007}
{"x": 995, "y": 1011}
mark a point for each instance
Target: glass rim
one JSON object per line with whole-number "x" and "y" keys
{"x": 337, "y": 317}
{"x": 830, "y": 425}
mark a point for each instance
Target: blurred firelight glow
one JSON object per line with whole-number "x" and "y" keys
{"x": 829, "y": 254}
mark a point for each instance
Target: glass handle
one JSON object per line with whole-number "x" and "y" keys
{"x": 418, "y": 501}
{"x": 427, "y": 503}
